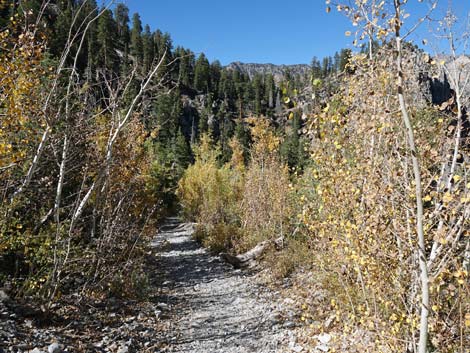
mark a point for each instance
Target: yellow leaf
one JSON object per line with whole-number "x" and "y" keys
{"x": 447, "y": 197}
{"x": 347, "y": 33}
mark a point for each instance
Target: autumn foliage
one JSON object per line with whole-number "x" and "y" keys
{"x": 237, "y": 207}
{"x": 76, "y": 203}
{"x": 360, "y": 216}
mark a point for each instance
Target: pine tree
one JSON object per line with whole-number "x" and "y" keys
{"x": 186, "y": 66}
{"x": 315, "y": 68}
{"x": 136, "y": 47}
{"x": 121, "y": 16}
{"x": 258, "y": 89}
{"x": 226, "y": 90}
{"x": 290, "y": 146}
{"x": 202, "y": 74}
{"x": 182, "y": 151}
{"x": 61, "y": 28}
{"x": 106, "y": 34}
{"x": 270, "y": 91}
{"x": 206, "y": 114}
{"x": 345, "y": 55}
{"x": 222, "y": 130}
{"x": 163, "y": 44}
{"x": 168, "y": 111}
{"x": 326, "y": 66}
{"x": 91, "y": 45}
{"x": 148, "y": 49}
{"x": 242, "y": 134}
{"x": 215, "y": 73}
{"x": 337, "y": 62}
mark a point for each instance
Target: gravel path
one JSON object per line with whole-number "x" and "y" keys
{"x": 211, "y": 306}
{"x": 196, "y": 303}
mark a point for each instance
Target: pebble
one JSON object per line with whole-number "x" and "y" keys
{"x": 3, "y": 296}
{"x": 288, "y": 301}
{"x": 54, "y": 348}
{"x": 323, "y": 348}
{"x": 324, "y": 338}
{"x": 36, "y": 350}
{"x": 123, "y": 349}
{"x": 288, "y": 324}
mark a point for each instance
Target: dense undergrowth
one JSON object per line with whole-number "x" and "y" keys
{"x": 236, "y": 206}
{"x": 348, "y": 215}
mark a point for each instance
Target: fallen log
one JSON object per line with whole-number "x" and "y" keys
{"x": 248, "y": 259}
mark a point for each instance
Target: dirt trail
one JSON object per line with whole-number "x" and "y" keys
{"x": 210, "y": 306}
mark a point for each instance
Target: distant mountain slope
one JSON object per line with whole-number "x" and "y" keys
{"x": 278, "y": 71}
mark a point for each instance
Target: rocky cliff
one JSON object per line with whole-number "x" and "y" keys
{"x": 278, "y": 71}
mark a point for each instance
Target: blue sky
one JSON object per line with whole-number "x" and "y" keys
{"x": 275, "y": 31}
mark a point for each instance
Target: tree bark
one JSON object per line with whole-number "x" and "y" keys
{"x": 423, "y": 328}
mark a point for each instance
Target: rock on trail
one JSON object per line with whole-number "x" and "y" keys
{"x": 210, "y": 306}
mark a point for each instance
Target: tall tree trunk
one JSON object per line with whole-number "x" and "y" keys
{"x": 423, "y": 327}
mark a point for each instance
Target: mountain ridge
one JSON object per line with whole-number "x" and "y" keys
{"x": 277, "y": 70}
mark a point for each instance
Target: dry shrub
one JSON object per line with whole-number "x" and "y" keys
{"x": 265, "y": 210}
{"x": 361, "y": 214}
{"x": 238, "y": 207}
{"x": 209, "y": 195}
{"x": 295, "y": 254}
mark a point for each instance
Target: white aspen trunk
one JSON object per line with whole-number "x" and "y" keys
{"x": 34, "y": 163}
{"x": 70, "y": 41}
{"x": 109, "y": 149}
{"x": 423, "y": 327}
{"x": 60, "y": 182}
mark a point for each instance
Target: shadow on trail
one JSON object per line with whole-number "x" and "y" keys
{"x": 186, "y": 263}
{"x": 212, "y": 307}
